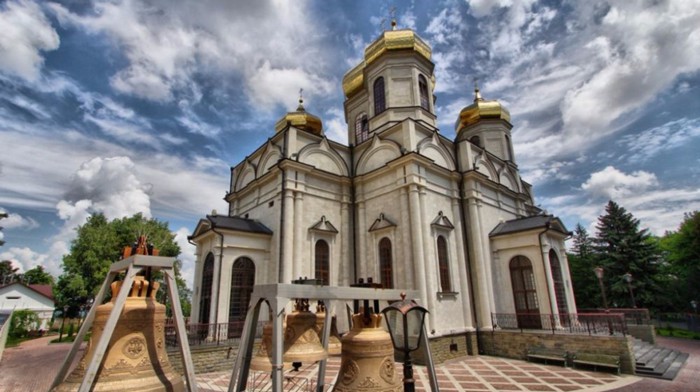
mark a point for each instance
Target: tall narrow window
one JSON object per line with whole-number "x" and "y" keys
{"x": 527, "y": 305}
{"x": 385, "y": 263}
{"x": 423, "y": 89}
{"x": 207, "y": 282}
{"x": 322, "y": 262}
{"x": 379, "y": 97}
{"x": 361, "y": 128}
{"x": 444, "y": 265}
{"x": 242, "y": 282}
{"x": 559, "y": 291}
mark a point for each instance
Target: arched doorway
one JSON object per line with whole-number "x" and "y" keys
{"x": 242, "y": 282}
{"x": 527, "y": 305}
{"x": 207, "y": 282}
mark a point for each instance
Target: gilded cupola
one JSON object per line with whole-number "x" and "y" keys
{"x": 392, "y": 40}
{"x": 481, "y": 109}
{"x": 301, "y": 119}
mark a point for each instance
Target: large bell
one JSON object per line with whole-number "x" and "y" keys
{"x": 262, "y": 361}
{"x": 135, "y": 358}
{"x": 367, "y": 362}
{"x": 300, "y": 337}
{"x": 334, "y": 344}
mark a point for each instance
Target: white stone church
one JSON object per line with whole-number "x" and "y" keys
{"x": 401, "y": 204}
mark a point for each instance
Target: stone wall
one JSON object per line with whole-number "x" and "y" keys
{"x": 646, "y": 333}
{"x": 511, "y": 344}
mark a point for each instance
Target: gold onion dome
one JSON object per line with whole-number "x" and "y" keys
{"x": 301, "y": 119}
{"x": 404, "y": 39}
{"x": 481, "y": 109}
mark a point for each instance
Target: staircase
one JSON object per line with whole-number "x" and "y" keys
{"x": 657, "y": 362}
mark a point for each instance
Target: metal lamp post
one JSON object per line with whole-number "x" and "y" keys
{"x": 599, "y": 274}
{"x": 628, "y": 278}
{"x": 694, "y": 304}
{"x": 405, "y": 320}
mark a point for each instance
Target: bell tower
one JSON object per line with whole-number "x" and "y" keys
{"x": 394, "y": 81}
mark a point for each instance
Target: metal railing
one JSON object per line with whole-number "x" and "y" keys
{"x": 569, "y": 323}
{"x": 638, "y": 316}
{"x": 206, "y": 334}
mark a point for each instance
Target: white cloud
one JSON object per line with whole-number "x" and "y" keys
{"x": 612, "y": 184}
{"x": 648, "y": 143}
{"x": 169, "y": 44}
{"x": 17, "y": 221}
{"x": 187, "y": 256}
{"x": 26, "y": 259}
{"x": 26, "y": 32}
{"x": 335, "y": 127}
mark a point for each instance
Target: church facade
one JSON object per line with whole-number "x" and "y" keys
{"x": 401, "y": 204}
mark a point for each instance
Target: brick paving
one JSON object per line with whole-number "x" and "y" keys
{"x": 32, "y": 367}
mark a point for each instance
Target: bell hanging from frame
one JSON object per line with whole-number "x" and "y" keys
{"x": 334, "y": 344}
{"x": 262, "y": 361}
{"x": 300, "y": 337}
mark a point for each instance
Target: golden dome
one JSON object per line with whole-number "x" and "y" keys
{"x": 405, "y": 39}
{"x": 301, "y": 119}
{"x": 481, "y": 109}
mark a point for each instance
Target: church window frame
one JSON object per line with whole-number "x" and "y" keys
{"x": 379, "y": 95}
{"x": 386, "y": 262}
{"x": 524, "y": 288}
{"x": 322, "y": 264}
{"x": 361, "y": 128}
{"x": 206, "y": 293}
{"x": 423, "y": 92}
{"x": 443, "y": 259}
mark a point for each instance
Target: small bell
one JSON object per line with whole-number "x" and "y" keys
{"x": 334, "y": 344}
{"x": 300, "y": 337}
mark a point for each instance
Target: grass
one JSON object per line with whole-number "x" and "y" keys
{"x": 70, "y": 339}
{"x": 677, "y": 333}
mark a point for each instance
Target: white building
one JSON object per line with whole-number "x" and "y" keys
{"x": 401, "y": 204}
{"x": 35, "y": 297}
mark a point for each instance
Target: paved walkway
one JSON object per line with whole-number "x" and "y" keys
{"x": 32, "y": 367}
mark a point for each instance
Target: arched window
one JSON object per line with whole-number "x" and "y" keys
{"x": 475, "y": 140}
{"x": 385, "y": 263}
{"x": 509, "y": 145}
{"x": 379, "y": 97}
{"x": 527, "y": 305}
{"x": 322, "y": 262}
{"x": 242, "y": 282}
{"x": 444, "y": 265}
{"x": 207, "y": 282}
{"x": 361, "y": 128}
{"x": 558, "y": 280}
{"x": 423, "y": 89}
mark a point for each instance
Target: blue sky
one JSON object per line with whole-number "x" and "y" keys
{"x": 128, "y": 106}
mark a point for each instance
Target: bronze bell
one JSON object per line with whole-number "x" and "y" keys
{"x": 334, "y": 344}
{"x": 367, "y": 362}
{"x": 135, "y": 358}
{"x": 263, "y": 358}
{"x": 300, "y": 337}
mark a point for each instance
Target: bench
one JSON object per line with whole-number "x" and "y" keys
{"x": 548, "y": 355}
{"x": 610, "y": 362}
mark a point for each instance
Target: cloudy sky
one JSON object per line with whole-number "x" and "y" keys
{"x": 128, "y": 106}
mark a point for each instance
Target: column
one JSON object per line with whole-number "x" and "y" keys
{"x": 481, "y": 282}
{"x": 361, "y": 236}
{"x": 550, "y": 282}
{"x": 344, "y": 260}
{"x": 428, "y": 260}
{"x": 299, "y": 261}
{"x": 288, "y": 234}
{"x": 408, "y": 257}
{"x": 416, "y": 240}
{"x": 462, "y": 266}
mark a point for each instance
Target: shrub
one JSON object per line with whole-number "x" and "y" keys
{"x": 23, "y": 321}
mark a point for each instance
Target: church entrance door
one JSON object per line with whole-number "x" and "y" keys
{"x": 527, "y": 306}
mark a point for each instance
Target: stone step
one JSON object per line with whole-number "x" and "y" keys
{"x": 652, "y": 361}
{"x": 647, "y": 356}
{"x": 671, "y": 370}
{"x": 641, "y": 350}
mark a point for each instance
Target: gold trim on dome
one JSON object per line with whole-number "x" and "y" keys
{"x": 389, "y": 40}
{"x": 301, "y": 120}
{"x": 480, "y": 110}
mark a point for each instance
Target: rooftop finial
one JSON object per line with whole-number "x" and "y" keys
{"x": 477, "y": 94}
{"x": 392, "y": 13}
{"x": 300, "y": 108}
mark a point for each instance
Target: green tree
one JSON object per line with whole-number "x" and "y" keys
{"x": 8, "y": 273}
{"x": 98, "y": 244}
{"x": 581, "y": 264}
{"x": 37, "y": 275}
{"x": 682, "y": 251}
{"x": 621, "y": 247}
{"x": 23, "y": 321}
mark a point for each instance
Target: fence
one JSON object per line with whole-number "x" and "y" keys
{"x": 208, "y": 334}
{"x": 638, "y": 316}
{"x": 570, "y": 323}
